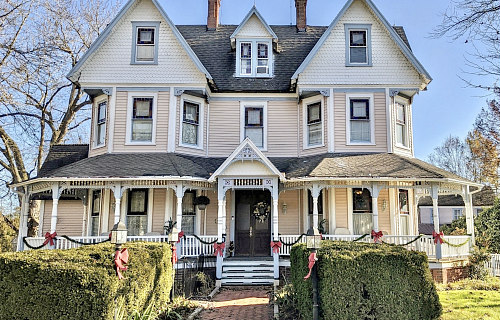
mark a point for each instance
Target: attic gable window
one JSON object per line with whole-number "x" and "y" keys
{"x": 145, "y": 42}
{"x": 254, "y": 58}
{"x": 358, "y": 45}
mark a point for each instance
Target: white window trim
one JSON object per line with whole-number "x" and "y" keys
{"x": 305, "y": 133}
{"x": 145, "y": 24}
{"x": 90, "y": 208}
{"x": 254, "y": 43}
{"x": 130, "y": 101}
{"x": 149, "y": 209}
{"x": 201, "y": 103}
{"x": 96, "y": 144}
{"x": 453, "y": 213}
{"x": 348, "y": 98}
{"x": 256, "y": 104}
{"x": 358, "y": 27}
{"x": 406, "y": 104}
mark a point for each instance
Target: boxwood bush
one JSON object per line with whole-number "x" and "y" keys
{"x": 82, "y": 283}
{"x": 366, "y": 281}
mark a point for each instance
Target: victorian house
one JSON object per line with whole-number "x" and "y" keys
{"x": 281, "y": 127}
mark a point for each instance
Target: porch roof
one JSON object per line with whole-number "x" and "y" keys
{"x": 62, "y": 164}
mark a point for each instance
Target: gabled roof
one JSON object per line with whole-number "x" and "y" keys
{"x": 107, "y": 31}
{"x": 392, "y": 32}
{"x": 61, "y": 155}
{"x": 247, "y": 151}
{"x": 255, "y": 12}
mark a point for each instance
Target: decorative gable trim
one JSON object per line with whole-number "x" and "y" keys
{"x": 394, "y": 36}
{"x": 247, "y": 151}
{"x": 74, "y": 72}
{"x": 252, "y": 12}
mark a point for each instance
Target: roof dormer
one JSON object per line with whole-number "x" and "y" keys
{"x": 253, "y": 41}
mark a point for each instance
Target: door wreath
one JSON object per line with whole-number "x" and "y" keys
{"x": 261, "y": 211}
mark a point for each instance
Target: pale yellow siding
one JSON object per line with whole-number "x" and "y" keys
{"x": 282, "y": 129}
{"x": 120, "y": 128}
{"x": 69, "y": 217}
{"x": 289, "y": 223}
{"x": 211, "y": 212}
{"x": 384, "y": 217}
{"x": 224, "y": 125}
{"x": 159, "y": 197}
{"x": 253, "y": 28}
{"x": 341, "y": 214}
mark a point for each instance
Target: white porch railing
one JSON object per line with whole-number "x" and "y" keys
{"x": 423, "y": 244}
{"x": 493, "y": 265}
{"x": 192, "y": 247}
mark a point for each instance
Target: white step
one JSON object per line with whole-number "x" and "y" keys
{"x": 247, "y": 282}
{"x": 247, "y": 268}
{"x": 245, "y": 275}
{"x": 238, "y": 272}
{"x": 247, "y": 263}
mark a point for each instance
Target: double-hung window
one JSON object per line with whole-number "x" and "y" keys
{"x": 254, "y": 58}
{"x": 254, "y": 125}
{"x": 401, "y": 125}
{"x": 457, "y": 213}
{"x": 137, "y": 212}
{"x": 101, "y": 123}
{"x": 145, "y": 42}
{"x": 360, "y": 130}
{"x": 246, "y": 58}
{"x": 314, "y": 125}
{"x": 262, "y": 58}
{"x": 94, "y": 213}
{"x": 190, "y": 123}
{"x": 188, "y": 212}
{"x": 358, "y": 45}
{"x": 142, "y": 119}
{"x": 362, "y": 214}
{"x": 404, "y": 213}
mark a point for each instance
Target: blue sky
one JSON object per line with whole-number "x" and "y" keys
{"x": 448, "y": 107}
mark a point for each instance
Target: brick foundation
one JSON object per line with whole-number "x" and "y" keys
{"x": 451, "y": 274}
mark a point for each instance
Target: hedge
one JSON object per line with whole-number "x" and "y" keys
{"x": 366, "y": 281}
{"x": 82, "y": 283}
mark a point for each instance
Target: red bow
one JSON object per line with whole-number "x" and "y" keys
{"x": 219, "y": 248}
{"x": 276, "y": 246}
{"x": 312, "y": 260}
{"x": 180, "y": 235}
{"x": 121, "y": 258}
{"x": 49, "y": 238}
{"x": 174, "y": 255}
{"x": 438, "y": 237}
{"x": 376, "y": 236}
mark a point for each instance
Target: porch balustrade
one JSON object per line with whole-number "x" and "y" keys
{"x": 190, "y": 246}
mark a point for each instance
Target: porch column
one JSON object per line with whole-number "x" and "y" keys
{"x": 375, "y": 192}
{"x": 179, "y": 192}
{"x": 315, "y": 191}
{"x": 469, "y": 213}
{"x": 276, "y": 237}
{"x": 23, "y": 220}
{"x": 221, "y": 197}
{"x": 118, "y": 193}
{"x": 56, "y": 193}
{"x": 435, "y": 213}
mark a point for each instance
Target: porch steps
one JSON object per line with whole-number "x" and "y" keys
{"x": 244, "y": 271}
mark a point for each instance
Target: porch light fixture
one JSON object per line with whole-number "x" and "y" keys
{"x": 284, "y": 208}
{"x": 201, "y": 202}
{"x": 313, "y": 239}
{"x": 119, "y": 234}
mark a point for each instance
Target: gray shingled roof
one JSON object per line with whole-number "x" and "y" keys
{"x": 61, "y": 155}
{"x": 485, "y": 197}
{"x": 213, "y": 48}
{"x": 340, "y": 165}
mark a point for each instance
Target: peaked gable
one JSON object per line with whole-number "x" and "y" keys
{"x": 362, "y": 11}
{"x": 116, "y": 38}
{"x": 253, "y": 25}
{"x": 247, "y": 151}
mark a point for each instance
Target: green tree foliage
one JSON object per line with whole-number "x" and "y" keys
{"x": 8, "y": 232}
{"x": 487, "y": 225}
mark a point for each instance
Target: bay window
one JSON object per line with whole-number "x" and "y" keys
{"x": 137, "y": 211}
{"x": 101, "y": 123}
{"x": 190, "y": 123}
{"x": 362, "y": 214}
{"x": 314, "y": 125}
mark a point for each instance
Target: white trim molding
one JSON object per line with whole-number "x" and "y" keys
{"x": 201, "y": 120}
{"x": 254, "y": 104}
{"x": 130, "y": 102}
{"x": 305, "y": 132}
{"x": 369, "y": 97}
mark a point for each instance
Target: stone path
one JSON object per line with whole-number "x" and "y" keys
{"x": 239, "y": 303}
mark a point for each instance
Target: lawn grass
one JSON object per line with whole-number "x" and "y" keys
{"x": 470, "y": 304}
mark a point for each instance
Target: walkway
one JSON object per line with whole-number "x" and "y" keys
{"x": 240, "y": 303}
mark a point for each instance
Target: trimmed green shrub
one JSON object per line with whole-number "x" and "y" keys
{"x": 366, "y": 281}
{"x": 82, "y": 283}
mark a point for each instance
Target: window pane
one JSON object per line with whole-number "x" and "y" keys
{"x": 262, "y": 66}
{"x": 145, "y": 35}
{"x": 188, "y": 224}
{"x": 400, "y": 134}
{"x": 358, "y": 38}
{"x": 191, "y": 111}
{"x": 400, "y": 114}
{"x": 138, "y": 201}
{"x": 254, "y": 116}
{"x": 315, "y": 134}
{"x": 101, "y": 133}
{"x": 362, "y": 223}
{"x": 137, "y": 225}
{"x": 359, "y": 109}
{"x": 101, "y": 112}
{"x": 189, "y": 133}
{"x": 358, "y": 55}
{"x": 403, "y": 201}
{"x": 94, "y": 226}
{"x": 314, "y": 113}
{"x": 404, "y": 222}
{"x": 246, "y": 50}
{"x": 360, "y": 131}
{"x": 142, "y": 130}
{"x": 256, "y": 135}
{"x": 362, "y": 200}
{"x": 143, "y": 108}
{"x": 262, "y": 50}
{"x": 246, "y": 66}
{"x": 187, "y": 203}
{"x": 145, "y": 53}
{"x": 96, "y": 203}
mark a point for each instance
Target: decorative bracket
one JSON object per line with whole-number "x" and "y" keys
{"x": 178, "y": 91}
{"x": 107, "y": 91}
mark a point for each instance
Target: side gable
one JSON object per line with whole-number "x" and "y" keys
{"x": 254, "y": 26}
{"x": 393, "y": 61}
{"x": 108, "y": 59}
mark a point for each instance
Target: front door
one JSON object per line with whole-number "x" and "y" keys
{"x": 253, "y": 223}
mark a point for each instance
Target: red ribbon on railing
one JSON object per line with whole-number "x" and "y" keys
{"x": 121, "y": 259}
{"x": 376, "y": 236}
{"x": 312, "y": 260}
{"x": 219, "y": 248}
{"x": 438, "y": 237}
{"x": 49, "y": 238}
{"x": 174, "y": 255}
{"x": 276, "y": 246}
{"x": 180, "y": 235}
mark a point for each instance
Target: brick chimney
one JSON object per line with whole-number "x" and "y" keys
{"x": 213, "y": 14}
{"x": 300, "y": 7}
